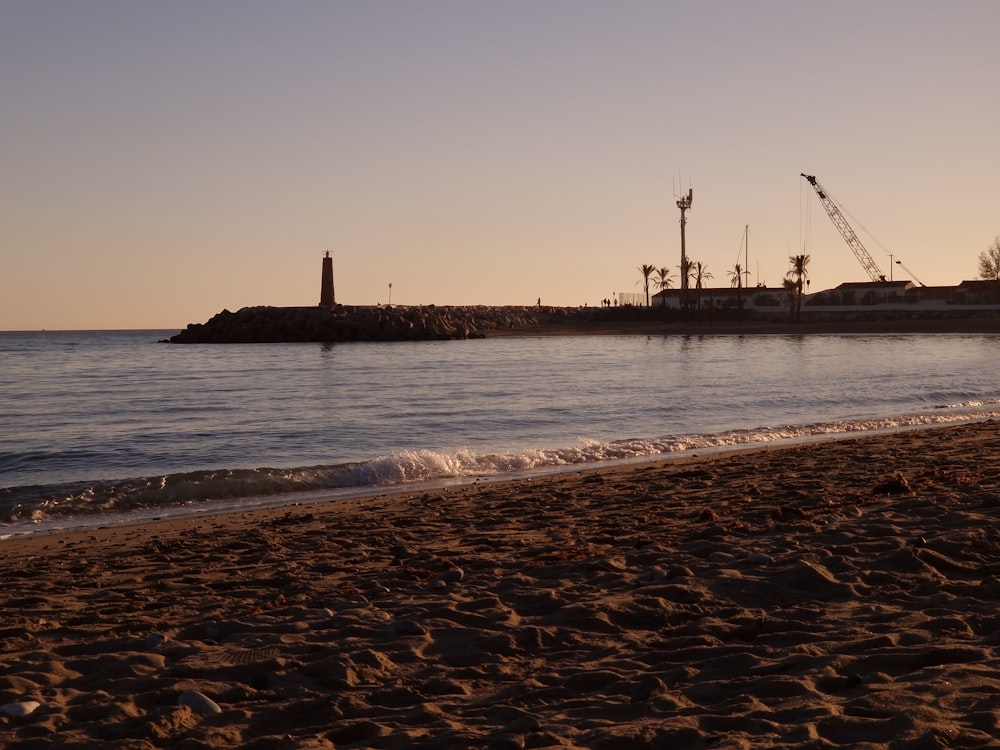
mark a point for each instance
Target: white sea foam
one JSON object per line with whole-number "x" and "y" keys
{"x": 407, "y": 467}
{"x": 410, "y": 466}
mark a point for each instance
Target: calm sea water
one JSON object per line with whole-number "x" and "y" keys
{"x": 98, "y": 422}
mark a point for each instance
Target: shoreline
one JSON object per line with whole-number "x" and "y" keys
{"x": 353, "y": 499}
{"x": 140, "y": 515}
{"x": 822, "y": 594}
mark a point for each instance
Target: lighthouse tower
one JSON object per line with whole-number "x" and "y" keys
{"x": 326, "y": 296}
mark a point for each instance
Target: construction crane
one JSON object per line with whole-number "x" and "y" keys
{"x": 912, "y": 275}
{"x": 845, "y": 230}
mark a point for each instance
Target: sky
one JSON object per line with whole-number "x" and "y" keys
{"x": 164, "y": 161}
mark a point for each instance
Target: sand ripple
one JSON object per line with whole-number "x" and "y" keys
{"x": 779, "y": 598}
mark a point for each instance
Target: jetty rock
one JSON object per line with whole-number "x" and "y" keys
{"x": 343, "y": 323}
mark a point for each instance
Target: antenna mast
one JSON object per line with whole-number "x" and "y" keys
{"x": 684, "y": 204}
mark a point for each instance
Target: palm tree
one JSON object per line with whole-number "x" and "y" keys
{"x": 701, "y": 274}
{"x": 736, "y": 281}
{"x": 788, "y": 283}
{"x": 664, "y": 279}
{"x": 799, "y": 276}
{"x": 646, "y": 270}
{"x": 736, "y": 277}
{"x": 687, "y": 275}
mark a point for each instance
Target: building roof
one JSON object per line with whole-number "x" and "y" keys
{"x": 720, "y": 291}
{"x": 978, "y": 284}
{"x": 898, "y": 285}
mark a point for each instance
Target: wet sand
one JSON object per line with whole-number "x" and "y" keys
{"x": 826, "y": 595}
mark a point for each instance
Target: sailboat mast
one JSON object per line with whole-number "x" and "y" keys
{"x": 746, "y": 250}
{"x": 746, "y": 259}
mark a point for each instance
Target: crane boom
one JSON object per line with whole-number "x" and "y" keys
{"x": 913, "y": 275}
{"x": 863, "y": 256}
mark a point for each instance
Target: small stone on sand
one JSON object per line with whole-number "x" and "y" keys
{"x": 198, "y": 702}
{"x": 21, "y": 708}
{"x": 409, "y": 627}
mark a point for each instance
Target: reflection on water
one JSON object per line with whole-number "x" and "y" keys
{"x": 106, "y": 405}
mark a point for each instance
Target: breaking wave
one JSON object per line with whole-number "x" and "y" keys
{"x": 218, "y": 487}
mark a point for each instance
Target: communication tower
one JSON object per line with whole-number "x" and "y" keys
{"x": 684, "y": 204}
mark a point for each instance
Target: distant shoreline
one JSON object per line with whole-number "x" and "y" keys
{"x": 344, "y": 323}
{"x": 597, "y": 327}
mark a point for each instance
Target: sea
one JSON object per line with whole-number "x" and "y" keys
{"x": 110, "y": 427}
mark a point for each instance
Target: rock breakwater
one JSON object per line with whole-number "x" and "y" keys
{"x": 354, "y": 323}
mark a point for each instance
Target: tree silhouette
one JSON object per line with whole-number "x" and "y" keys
{"x": 646, "y": 270}
{"x": 736, "y": 281}
{"x": 736, "y": 277}
{"x": 687, "y": 276}
{"x": 989, "y": 262}
{"x": 664, "y": 279}
{"x": 798, "y": 276}
{"x": 701, "y": 274}
{"x": 788, "y": 284}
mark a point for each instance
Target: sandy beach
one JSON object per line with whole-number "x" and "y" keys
{"x": 824, "y": 595}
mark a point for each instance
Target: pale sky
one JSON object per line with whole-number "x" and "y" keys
{"x": 162, "y": 161}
